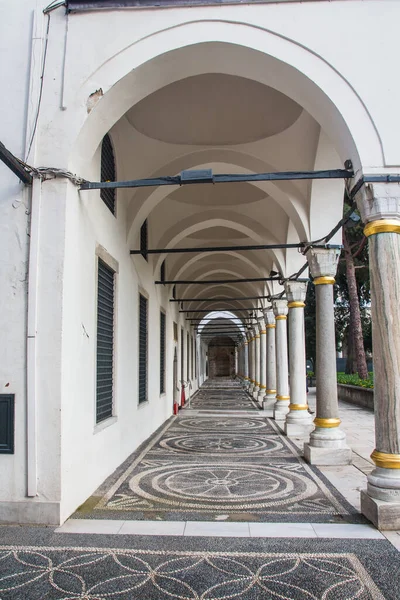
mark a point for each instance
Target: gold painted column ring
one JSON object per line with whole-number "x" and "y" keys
{"x": 382, "y": 226}
{"x": 296, "y": 304}
{"x": 281, "y": 318}
{"x": 384, "y": 460}
{"x": 326, "y": 280}
{"x": 326, "y": 423}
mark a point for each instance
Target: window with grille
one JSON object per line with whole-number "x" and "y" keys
{"x": 175, "y": 332}
{"x": 143, "y": 302}
{"x": 187, "y": 356}
{"x": 144, "y": 240}
{"x": 108, "y": 172}
{"x": 191, "y": 357}
{"x": 162, "y": 271}
{"x": 195, "y": 358}
{"x": 105, "y": 342}
{"x": 162, "y": 353}
{"x": 182, "y": 357}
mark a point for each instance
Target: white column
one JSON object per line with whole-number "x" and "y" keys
{"x": 298, "y": 422}
{"x": 263, "y": 360}
{"x": 281, "y": 407}
{"x": 256, "y": 388}
{"x": 246, "y": 362}
{"x": 327, "y": 445}
{"x": 251, "y": 361}
{"x": 379, "y": 205}
{"x": 270, "y": 392}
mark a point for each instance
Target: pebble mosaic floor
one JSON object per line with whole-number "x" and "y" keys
{"x": 202, "y": 465}
{"x": 228, "y": 465}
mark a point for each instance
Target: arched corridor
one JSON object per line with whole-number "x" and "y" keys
{"x": 176, "y": 178}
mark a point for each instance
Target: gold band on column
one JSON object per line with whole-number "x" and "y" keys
{"x": 296, "y": 304}
{"x": 386, "y": 460}
{"x": 262, "y": 387}
{"x": 246, "y": 343}
{"x": 270, "y": 326}
{"x": 326, "y": 423}
{"x": 298, "y": 406}
{"x": 257, "y": 337}
{"x": 283, "y": 397}
{"x": 382, "y": 226}
{"x": 270, "y": 392}
{"x": 280, "y": 318}
{"x": 263, "y": 331}
{"x": 324, "y": 280}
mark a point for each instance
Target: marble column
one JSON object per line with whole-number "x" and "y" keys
{"x": 256, "y": 388}
{"x": 270, "y": 392}
{"x": 251, "y": 361}
{"x": 281, "y": 407}
{"x": 327, "y": 445}
{"x": 263, "y": 360}
{"x": 379, "y": 206}
{"x": 298, "y": 422}
{"x": 246, "y": 362}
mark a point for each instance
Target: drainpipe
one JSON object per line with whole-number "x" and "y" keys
{"x": 31, "y": 371}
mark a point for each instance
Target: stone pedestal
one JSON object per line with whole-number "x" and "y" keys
{"x": 327, "y": 445}
{"x": 299, "y": 422}
{"x": 379, "y": 204}
{"x": 281, "y": 407}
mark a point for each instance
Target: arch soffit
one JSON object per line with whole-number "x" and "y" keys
{"x": 284, "y": 194}
{"x": 313, "y": 82}
{"x": 230, "y": 219}
{"x": 253, "y": 264}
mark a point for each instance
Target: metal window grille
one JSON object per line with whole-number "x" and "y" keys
{"x": 191, "y": 357}
{"x": 105, "y": 342}
{"x": 162, "y": 353}
{"x": 187, "y": 356}
{"x": 174, "y": 292}
{"x": 143, "y": 302}
{"x": 144, "y": 240}
{"x": 195, "y": 358}
{"x": 182, "y": 357}
{"x": 108, "y": 172}
{"x": 162, "y": 271}
{"x": 7, "y": 423}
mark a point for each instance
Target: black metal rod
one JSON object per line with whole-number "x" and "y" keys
{"x": 220, "y": 178}
{"x": 216, "y": 281}
{"x": 214, "y": 299}
{"x": 207, "y": 310}
{"x": 14, "y": 165}
{"x": 227, "y": 248}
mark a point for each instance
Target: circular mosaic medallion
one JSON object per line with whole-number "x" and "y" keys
{"x": 221, "y": 445}
{"x": 222, "y": 487}
{"x": 231, "y": 423}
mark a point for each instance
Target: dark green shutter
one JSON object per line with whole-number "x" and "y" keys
{"x": 105, "y": 342}
{"x": 187, "y": 357}
{"x": 6, "y": 423}
{"x": 108, "y": 172}
{"x": 162, "y": 353}
{"x": 144, "y": 240}
{"x": 142, "y": 348}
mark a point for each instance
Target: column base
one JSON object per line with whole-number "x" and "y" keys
{"x": 250, "y": 388}
{"x": 256, "y": 389}
{"x": 281, "y": 409}
{"x": 384, "y": 515}
{"x": 299, "y": 423}
{"x": 327, "y": 446}
{"x": 268, "y": 405}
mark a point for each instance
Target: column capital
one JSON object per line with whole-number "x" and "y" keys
{"x": 269, "y": 317}
{"x": 296, "y": 291}
{"x": 379, "y": 201}
{"x": 323, "y": 262}
{"x": 261, "y": 324}
{"x": 280, "y": 308}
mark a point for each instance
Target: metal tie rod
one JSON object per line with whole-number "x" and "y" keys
{"x": 206, "y": 176}
{"x": 207, "y": 310}
{"x": 203, "y": 250}
{"x": 216, "y": 281}
{"x": 214, "y": 299}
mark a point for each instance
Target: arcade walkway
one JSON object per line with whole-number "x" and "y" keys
{"x": 217, "y": 504}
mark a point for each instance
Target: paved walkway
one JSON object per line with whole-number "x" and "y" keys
{"x": 217, "y": 504}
